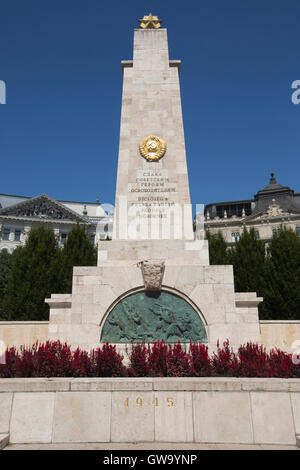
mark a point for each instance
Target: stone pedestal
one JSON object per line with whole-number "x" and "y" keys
{"x": 79, "y": 318}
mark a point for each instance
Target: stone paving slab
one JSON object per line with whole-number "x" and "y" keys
{"x": 148, "y": 446}
{"x": 4, "y": 438}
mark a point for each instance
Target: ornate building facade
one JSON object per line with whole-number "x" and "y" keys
{"x": 19, "y": 213}
{"x": 272, "y": 207}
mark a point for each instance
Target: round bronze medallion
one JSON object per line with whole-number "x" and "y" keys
{"x": 152, "y": 148}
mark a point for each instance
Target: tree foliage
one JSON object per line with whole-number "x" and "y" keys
{"x": 272, "y": 272}
{"x": 218, "y": 251}
{"x": 77, "y": 251}
{"x": 34, "y": 276}
{"x": 282, "y": 275}
{"x": 41, "y": 268}
{"x": 5, "y": 269}
{"x": 248, "y": 259}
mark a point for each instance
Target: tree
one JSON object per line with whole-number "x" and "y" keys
{"x": 282, "y": 291}
{"x": 5, "y": 269}
{"x": 77, "y": 251}
{"x": 218, "y": 251}
{"x": 248, "y": 259}
{"x": 34, "y": 276}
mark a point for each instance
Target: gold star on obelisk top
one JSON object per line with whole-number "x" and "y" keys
{"x": 150, "y": 22}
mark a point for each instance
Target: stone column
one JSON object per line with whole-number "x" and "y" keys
{"x": 151, "y": 106}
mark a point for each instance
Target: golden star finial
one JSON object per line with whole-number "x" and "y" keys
{"x": 150, "y": 22}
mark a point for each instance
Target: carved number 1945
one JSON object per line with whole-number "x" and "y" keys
{"x": 139, "y": 402}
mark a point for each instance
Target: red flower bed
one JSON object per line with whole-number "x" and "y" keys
{"x": 54, "y": 359}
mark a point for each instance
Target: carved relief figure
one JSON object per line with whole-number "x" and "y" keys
{"x": 162, "y": 316}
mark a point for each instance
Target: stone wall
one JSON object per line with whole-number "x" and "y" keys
{"x": 205, "y": 410}
{"x": 16, "y": 333}
{"x": 281, "y": 334}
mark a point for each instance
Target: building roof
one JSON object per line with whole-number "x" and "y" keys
{"x": 283, "y": 196}
{"x": 273, "y": 186}
{"x": 42, "y": 207}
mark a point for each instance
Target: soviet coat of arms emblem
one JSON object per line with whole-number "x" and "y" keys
{"x": 152, "y": 148}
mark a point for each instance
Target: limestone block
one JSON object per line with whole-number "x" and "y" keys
{"x": 218, "y": 274}
{"x": 188, "y": 277}
{"x": 224, "y": 293}
{"x": 85, "y": 335}
{"x": 295, "y": 398}
{"x": 202, "y": 294}
{"x": 102, "y": 256}
{"x": 213, "y": 315}
{"x": 249, "y": 317}
{"x": 134, "y": 276}
{"x": 82, "y": 417}
{"x": 80, "y": 290}
{"x": 245, "y": 332}
{"x": 83, "y": 298}
{"x": 222, "y": 417}
{"x": 272, "y": 418}
{"x": 5, "y": 411}
{"x": 231, "y": 318}
{"x": 92, "y": 280}
{"x": 132, "y": 417}
{"x": 35, "y": 384}
{"x": 197, "y": 384}
{"x": 230, "y": 308}
{"x": 173, "y": 417}
{"x": 77, "y": 281}
{"x": 116, "y": 279}
{"x": 87, "y": 271}
{"x": 257, "y": 384}
{"x": 59, "y": 316}
{"x": 112, "y": 384}
{"x": 245, "y": 296}
{"x": 32, "y": 417}
{"x": 90, "y": 318}
{"x": 104, "y": 297}
{"x": 76, "y": 306}
{"x": 170, "y": 276}
{"x": 76, "y": 318}
{"x": 237, "y": 333}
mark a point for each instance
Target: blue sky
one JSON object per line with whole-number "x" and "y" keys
{"x": 60, "y": 60}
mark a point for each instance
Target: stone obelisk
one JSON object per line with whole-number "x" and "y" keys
{"x": 152, "y": 195}
{"x": 153, "y": 280}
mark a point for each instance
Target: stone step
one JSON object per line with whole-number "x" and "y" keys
{"x": 151, "y": 446}
{"x": 4, "y": 439}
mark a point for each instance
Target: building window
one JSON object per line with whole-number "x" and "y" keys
{"x": 276, "y": 231}
{"x": 17, "y": 235}
{"x": 298, "y": 231}
{"x": 5, "y": 234}
{"x": 257, "y": 234}
{"x": 92, "y": 238}
{"x": 235, "y": 236}
{"x": 63, "y": 237}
